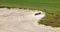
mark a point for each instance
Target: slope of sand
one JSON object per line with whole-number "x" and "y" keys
{"x": 22, "y": 20}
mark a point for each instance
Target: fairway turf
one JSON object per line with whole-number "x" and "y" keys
{"x": 51, "y": 7}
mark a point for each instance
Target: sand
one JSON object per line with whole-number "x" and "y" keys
{"x": 23, "y": 20}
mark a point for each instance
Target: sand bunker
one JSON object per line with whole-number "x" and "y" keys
{"x": 22, "y": 20}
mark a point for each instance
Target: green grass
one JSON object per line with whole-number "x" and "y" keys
{"x": 51, "y": 7}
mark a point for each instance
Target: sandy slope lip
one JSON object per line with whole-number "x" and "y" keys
{"x": 20, "y": 20}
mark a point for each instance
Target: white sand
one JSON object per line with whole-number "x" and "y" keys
{"x": 20, "y": 20}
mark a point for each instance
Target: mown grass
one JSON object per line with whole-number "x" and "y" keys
{"x": 51, "y": 7}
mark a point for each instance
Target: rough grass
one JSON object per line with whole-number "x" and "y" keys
{"x": 51, "y": 7}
